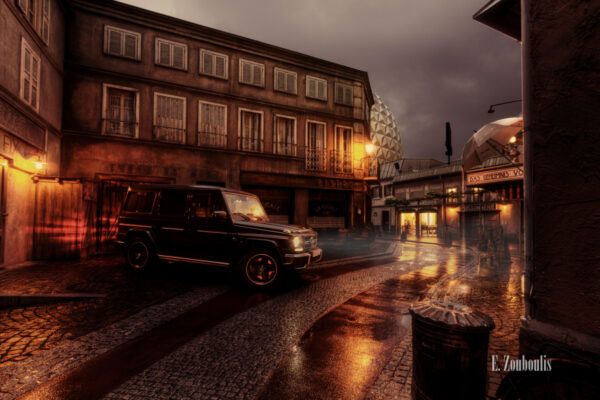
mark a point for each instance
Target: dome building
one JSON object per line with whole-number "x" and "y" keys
{"x": 385, "y": 134}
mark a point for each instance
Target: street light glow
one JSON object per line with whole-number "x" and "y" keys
{"x": 369, "y": 147}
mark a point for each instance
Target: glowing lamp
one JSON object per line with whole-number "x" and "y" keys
{"x": 512, "y": 140}
{"x": 369, "y": 147}
{"x": 3, "y": 162}
{"x": 38, "y": 164}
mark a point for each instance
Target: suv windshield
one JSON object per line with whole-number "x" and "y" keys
{"x": 245, "y": 208}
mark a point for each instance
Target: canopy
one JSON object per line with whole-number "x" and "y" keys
{"x": 489, "y": 141}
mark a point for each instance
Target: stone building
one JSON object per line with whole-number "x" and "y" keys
{"x": 31, "y": 85}
{"x": 150, "y": 98}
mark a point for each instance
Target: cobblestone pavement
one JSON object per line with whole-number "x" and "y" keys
{"x": 491, "y": 285}
{"x": 26, "y": 331}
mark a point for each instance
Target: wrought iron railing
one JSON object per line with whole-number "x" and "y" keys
{"x": 315, "y": 159}
{"x": 119, "y": 127}
{"x": 250, "y": 144}
{"x": 283, "y": 148}
{"x": 211, "y": 139}
{"x": 168, "y": 134}
{"x": 341, "y": 162}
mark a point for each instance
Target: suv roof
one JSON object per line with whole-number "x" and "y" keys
{"x": 163, "y": 186}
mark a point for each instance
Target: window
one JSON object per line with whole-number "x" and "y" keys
{"x": 169, "y": 118}
{"x": 315, "y": 146}
{"x": 122, "y": 43}
{"x": 30, "y": 75}
{"x": 213, "y": 64}
{"x": 376, "y": 192}
{"x": 344, "y": 94}
{"x": 172, "y": 203}
{"x": 212, "y": 124}
{"x": 342, "y": 150}
{"x": 316, "y": 88}
{"x": 45, "y": 30}
{"x": 285, "y": 81}
{"x": 252, "y": 73}
{"x": 28, "y": 8}
{"x": 170, "y": 54}
{"x": 250, "y": 135}
{"x": 452, "y": 194}
{"x": 285, "y": 136}
{"x": 204, "y": 204}
{"x": 140, "y": 202}
{"x": 387, "y": 190}
{"x": 120, "y": 111}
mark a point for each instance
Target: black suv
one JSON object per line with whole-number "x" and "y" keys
{"x": 212, "y": 226}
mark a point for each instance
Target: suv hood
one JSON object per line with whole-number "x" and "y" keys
{"x": 273, "y": 227}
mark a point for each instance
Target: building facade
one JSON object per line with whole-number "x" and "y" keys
{"x": 31, "y": 85}
{"x": 150, "y": 98}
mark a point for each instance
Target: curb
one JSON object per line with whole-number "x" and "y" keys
{"x": 13, "y": 300}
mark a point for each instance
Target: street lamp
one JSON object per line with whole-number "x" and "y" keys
{"x": 369, "y": 147}
{"x": 491, "y": 109}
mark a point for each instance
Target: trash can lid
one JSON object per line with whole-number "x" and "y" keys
{"x": 452, "y": 316}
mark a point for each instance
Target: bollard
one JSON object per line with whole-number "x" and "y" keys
{"x": 449, "y": 351}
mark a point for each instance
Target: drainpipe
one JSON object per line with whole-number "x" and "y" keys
{"x": 529, "y": 200}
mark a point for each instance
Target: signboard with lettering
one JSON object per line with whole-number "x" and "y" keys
{"x": 493, "y": 176}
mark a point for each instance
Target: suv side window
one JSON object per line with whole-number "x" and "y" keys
{"x": 204, "y": 204}
{"x": 140, "y": 202}
{"x": 172, "y": 203}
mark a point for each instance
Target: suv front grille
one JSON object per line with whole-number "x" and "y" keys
{"x": 310, "y": 242}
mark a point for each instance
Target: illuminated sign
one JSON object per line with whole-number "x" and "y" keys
{"x": 497, "y": 175}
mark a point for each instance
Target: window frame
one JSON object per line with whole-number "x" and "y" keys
{"x": 123, "y": 32}
{"x": 198, "y": 132}
{"x": 22, "y": 75}
{"x": 172, "y": 44}
{"x": 317, "y": 80}
{"x": 344, "y": 86}
{"x": 253, "y": 65}
{"x": 275, "y": 133}
{"x": 203, "y": 52}
{"x": 154, "y": 116}
{"x": 286, "y": 72}
{"x": 105, "y": 88}
{"x": 262, "y": 129}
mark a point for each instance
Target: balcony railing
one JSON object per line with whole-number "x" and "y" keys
{"x": 250, "y": 144}
{"x": 315, "y": 159}
{"x": 283, "y": 148}
{"x": 168, "y": 134}
{"x": 119, "y": 127}
{"x": 211, "y": 139}
{"x": 341, "y": 162}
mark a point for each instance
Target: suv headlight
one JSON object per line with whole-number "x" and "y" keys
{"x": 297, "y": 243}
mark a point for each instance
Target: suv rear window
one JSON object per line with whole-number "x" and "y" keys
{"x": 141, "y": 202}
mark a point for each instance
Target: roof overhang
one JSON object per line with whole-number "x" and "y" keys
{"x": 502, "y": 15}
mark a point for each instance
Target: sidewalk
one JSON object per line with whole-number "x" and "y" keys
{"x": 491, "y": 285}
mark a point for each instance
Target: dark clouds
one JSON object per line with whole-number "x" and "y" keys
{"x": 427, "y": 59}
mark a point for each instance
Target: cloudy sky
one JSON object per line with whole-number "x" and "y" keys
{"x": 428, "y": 60}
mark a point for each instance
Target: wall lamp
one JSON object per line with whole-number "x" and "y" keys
{"x": 491, "y": 109}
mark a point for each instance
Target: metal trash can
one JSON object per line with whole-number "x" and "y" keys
{"x": 450, "y": 344}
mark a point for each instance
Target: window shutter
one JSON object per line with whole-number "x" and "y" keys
{"x": 348, "y": 96}
{"x": 291, "y": 83}
{"x": 23, "y": 5}
{"x": 114, "y": 42}
{"x": 280, "y": 81}
{"x": 46, "y": 20}
{"x": 312, "y": 88}
{"x": 207, "y": 64}
{"x": 164, "y": 56}
{"x": 130, "y": 46}
{"x": 257, "y": 75}
{"x": 246, "y": 73}
{"x": 179, "y": 56}
{"x": 339, "y": 94}
{"x": 321, "y": 90}
{"x": 220, "y": 66}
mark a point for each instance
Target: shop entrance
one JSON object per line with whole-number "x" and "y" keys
{"x": 385, "y": 221}
{"x": 408, "y": 222}
{"x": 428, "y": 222}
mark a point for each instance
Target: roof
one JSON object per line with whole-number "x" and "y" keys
{"x": 502, "y": 15}
{"x": 455, "y": 167}
{"x": 163, "y": 186}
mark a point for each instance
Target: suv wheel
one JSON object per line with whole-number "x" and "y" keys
{"x": 260, "y": 268}
{"x": 140, "y": 254}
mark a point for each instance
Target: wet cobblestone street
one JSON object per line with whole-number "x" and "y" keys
{"x": 236, "y": 356}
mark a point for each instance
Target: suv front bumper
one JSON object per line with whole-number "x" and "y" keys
{"x": 302, "y": 260}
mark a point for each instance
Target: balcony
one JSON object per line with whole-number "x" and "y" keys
{"x": 315, "y": 160}
{"x": 341, "y": 162}
{"x": 119, "y": 127}
{"x": 210, "y": 139}
{"x": 283, "y": 148}
{"x": 168, "y": 134}
{"x": 250, "y": 144}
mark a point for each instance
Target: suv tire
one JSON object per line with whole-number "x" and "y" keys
{"x": 260, "y": 269}
{"x": 140, "y": 254}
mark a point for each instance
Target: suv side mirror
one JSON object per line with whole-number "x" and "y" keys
{"x": 222, "y": 215}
